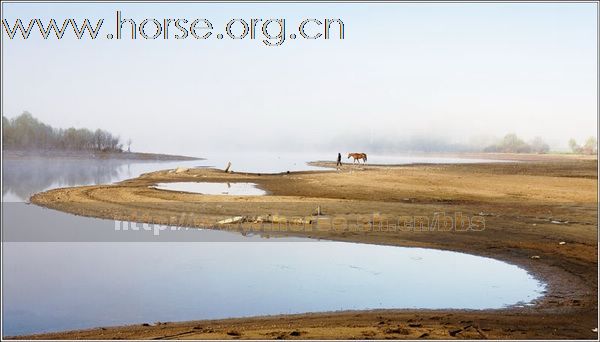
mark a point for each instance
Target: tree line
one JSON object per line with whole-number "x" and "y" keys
{"x": 511, "y": 143}
{"x": 27, "y": 132}
{"x": 589, "y": 147}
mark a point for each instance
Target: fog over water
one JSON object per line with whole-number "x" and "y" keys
{"x": 406, "y": 77}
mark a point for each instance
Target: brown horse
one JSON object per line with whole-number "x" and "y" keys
{"x": 358, "y": 156}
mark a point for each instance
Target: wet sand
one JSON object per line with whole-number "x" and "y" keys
{"x": 540, "y": 214}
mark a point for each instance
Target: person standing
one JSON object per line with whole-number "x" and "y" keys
{"x": 339, "y": 160}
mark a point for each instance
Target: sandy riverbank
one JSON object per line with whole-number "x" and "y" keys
{"x": 529, "y": 209}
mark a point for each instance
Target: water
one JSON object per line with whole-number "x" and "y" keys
{"x": 53, "y": 286}
{"x": 66, "y": 272}
{"x": 275, "y": 163}
{"x": 23, "y": 178}
{"x": 261, "y": 162}
{"x": 232, "y": 189}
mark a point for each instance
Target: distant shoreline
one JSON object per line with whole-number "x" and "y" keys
{"x": 510, "y": 156}
{"x": 480, "y": 157}
{"x": 26, "y": 154}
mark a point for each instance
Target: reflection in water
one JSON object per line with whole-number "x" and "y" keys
{"x": 23, "y": 178}
{"x": 232, "y": 189}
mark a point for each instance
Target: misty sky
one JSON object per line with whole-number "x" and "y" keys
{"x": 446, "y": 71}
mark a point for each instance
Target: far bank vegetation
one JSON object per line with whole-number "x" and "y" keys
{"x": 511, "y": 143}
{"x": 25, "y": 132}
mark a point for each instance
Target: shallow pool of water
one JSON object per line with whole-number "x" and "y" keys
{"x": 207, "y": 188}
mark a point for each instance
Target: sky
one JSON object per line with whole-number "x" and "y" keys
{"x": 459, "y": 73}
